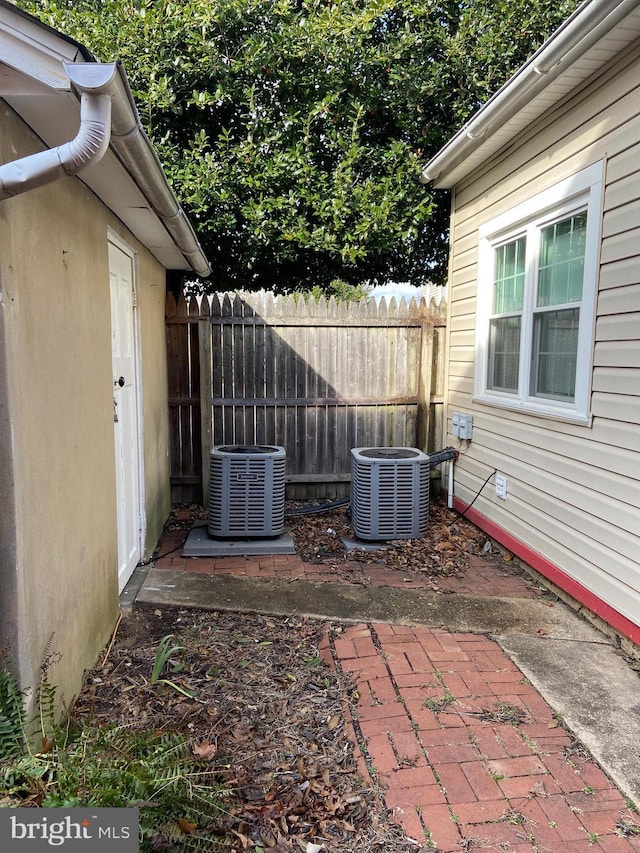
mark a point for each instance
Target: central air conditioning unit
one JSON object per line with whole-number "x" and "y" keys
{"x": 389, "y": 492}
{"x": 246, "y": 491}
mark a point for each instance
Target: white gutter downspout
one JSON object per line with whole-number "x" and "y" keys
{"x": 108, "y": 117}
{"x": 590, "y": 22}
{"x": 94, "y": 82}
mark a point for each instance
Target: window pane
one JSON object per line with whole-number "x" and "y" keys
{"x": 504, "y": 354}
{"x": 561, "y": 268}
{"x": 555, "y": 354}
{"x": 508, "y": 277}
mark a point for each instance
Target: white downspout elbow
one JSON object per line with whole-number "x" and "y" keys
{"x": 93, "y": 80}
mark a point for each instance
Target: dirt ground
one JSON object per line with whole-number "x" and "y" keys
{"x": 261, "y": 705}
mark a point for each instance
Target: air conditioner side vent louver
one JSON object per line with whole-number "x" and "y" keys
{"x": 246, "y": 491}
{"x": 389, "y": 492}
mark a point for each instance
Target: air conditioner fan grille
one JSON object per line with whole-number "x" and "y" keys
{"x": 246, "y": 491}
{"x": 389, "y": 493}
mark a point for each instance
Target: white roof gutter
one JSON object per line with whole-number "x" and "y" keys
{"x": 589, "y": 23}
{"x": 132, "y": 145}
{"x": 44, "y": 167}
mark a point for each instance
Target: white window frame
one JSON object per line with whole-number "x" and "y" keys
{"x": 581, "y": 192}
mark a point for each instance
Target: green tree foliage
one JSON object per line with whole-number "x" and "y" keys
{"x": 492, "y": 40}
{"x": 294, "y": 130}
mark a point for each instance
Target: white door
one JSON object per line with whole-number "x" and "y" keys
{"x": 125, "y": 406}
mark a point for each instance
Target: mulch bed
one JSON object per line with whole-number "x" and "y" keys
{"x": 444, "y": 549}
{"x": 267, "y": 712}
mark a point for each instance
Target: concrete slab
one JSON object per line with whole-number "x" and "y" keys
{"x": 200, "y": 544}
{"x": 356, "y": 603}
{"x": 130, "y": 593}
{"x": 596, "y": 693}
{"x": 351, "y": 544}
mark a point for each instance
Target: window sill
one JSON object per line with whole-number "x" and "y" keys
{"x": 539, "y": 411}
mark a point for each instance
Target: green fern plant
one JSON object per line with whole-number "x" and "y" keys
{"x": 117, "y": 767}
{"x": 179, "y": 798}
{"x": 178, "y": 794}
{"x": 46, "y": 704}
{"x": 12, "y": 717}
{"x": 25, "y": 772}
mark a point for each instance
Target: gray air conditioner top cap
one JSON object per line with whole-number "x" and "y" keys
{"x": 389, "y": 453}
{"x": 248, "y": 448}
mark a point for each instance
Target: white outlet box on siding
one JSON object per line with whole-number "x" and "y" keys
{"x": 501, "y": 486}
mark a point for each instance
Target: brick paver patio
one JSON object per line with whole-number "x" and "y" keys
{"x": 468, "y": 755}
{"x": 484, "y": 577}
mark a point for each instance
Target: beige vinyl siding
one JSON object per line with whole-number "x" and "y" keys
{"x": 618, "y": 300}
{"x": 613, "y": 380}
{"x": 618, "y": 272}
{"x": 623, "y": 327}
{"x": 573, "y": 489}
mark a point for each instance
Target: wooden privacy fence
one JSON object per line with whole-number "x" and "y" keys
{"x": 315, "y": 376}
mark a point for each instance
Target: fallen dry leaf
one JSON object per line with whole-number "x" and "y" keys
{"x": 47, "y": 745}
{"x": 205, "y": 749}
{"x": 537, "y": 790}
{"x": 333, "y": 722}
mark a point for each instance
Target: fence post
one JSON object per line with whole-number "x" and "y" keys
{"x": 437, "y": 432}
{"x": 425, "y": 376}
{"x": 206, "y": 381}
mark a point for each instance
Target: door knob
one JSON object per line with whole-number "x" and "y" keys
{"x": 120, "y": 382}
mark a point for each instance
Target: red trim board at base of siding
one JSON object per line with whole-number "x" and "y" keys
{"x": 550, "y": 571}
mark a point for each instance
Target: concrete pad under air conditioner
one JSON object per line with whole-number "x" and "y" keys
{"x": 200, "y": 544}
{"x": 351, "y": 544}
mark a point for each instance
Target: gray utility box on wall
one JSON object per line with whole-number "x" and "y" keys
{"x": 246, "y": 491}
{"x": 389, "y": 492}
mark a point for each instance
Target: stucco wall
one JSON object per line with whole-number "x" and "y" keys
{"x": 55, "y": 314}
{"x": 152, "y": 298}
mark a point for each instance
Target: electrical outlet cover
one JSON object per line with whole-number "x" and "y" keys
{"x": 501, "y": 486}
